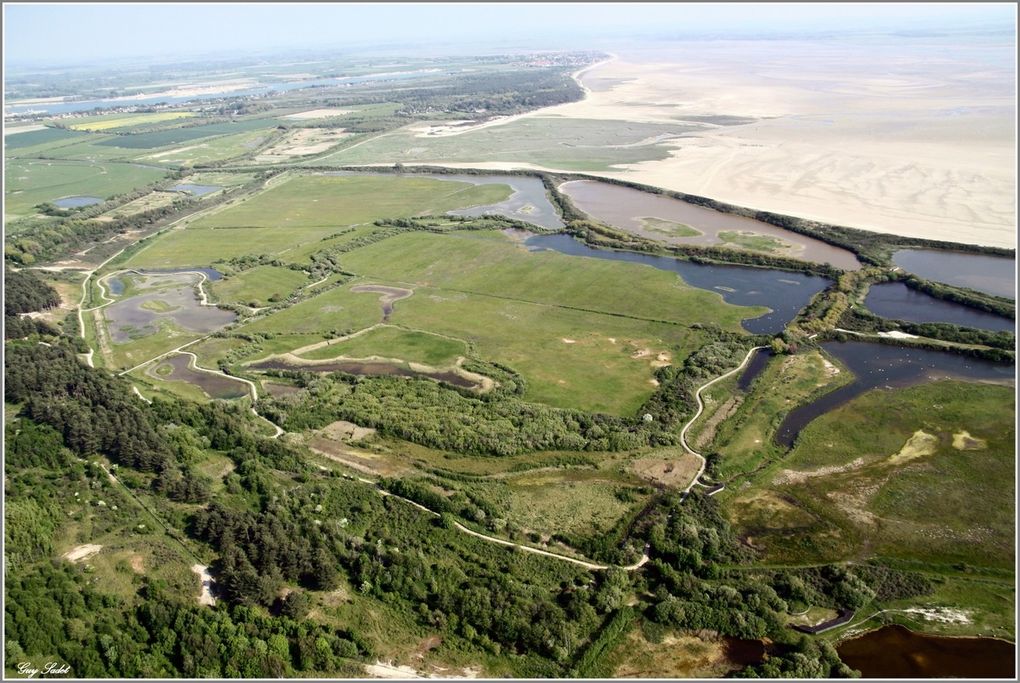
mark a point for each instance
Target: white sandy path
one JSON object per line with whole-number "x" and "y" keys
{"x": 491, "y": 539}
{"x": 701, "y": 409}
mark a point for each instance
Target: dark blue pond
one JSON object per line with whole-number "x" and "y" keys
{"x": 785, "y": 293}
{"x": 197, "y": 190}
{"x": 759, "y": 360}
{"x": 897, "y": 301}
{"x": 990, "y": 274}
{"x": 882, "y": 365}
{"x": 75, "y": 202}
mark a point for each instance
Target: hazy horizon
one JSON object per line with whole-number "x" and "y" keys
{"x": 40, "y": 35}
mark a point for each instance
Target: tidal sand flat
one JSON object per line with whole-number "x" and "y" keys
{"x": 883, "y": 134}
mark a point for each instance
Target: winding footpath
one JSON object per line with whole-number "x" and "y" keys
{"x": 81, "y": 304}
{"x": 701, "y": 409}
{"x": 526, "y": 548}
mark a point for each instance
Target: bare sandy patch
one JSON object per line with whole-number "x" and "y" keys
{"x": 662, "y": 359}
{"x": 389, "y": 670}
{"x": 346, "y": 431}
{"x": 82, "y": 552}
{"x": 569, "y": 341}
{"x": 317, "y": 114}
{"x": 919, "y": 445}
{"x": 676, "y": 471}
{"x": 137, "y": 564}
{"x": 963, "y": 441}
{"x": 206, "y": 596}
{"x": 302, "y": 142}
{"x": 179, "y": 150}
{"x": 801, "y": 476}
{"x": 944, "y": 615}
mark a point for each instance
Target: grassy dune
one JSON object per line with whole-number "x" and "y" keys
{"x": 881, "y": 476}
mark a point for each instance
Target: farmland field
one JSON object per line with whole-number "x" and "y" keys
{"x": 102, "y": 123}
{"x": 37, "y": 139}
{"x": 175, "y": 136}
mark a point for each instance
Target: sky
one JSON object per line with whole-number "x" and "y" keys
{"x": 86, "y": 33}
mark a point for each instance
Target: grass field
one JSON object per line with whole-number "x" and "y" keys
{"x": 258, "y": 286}
{"x": 338, "y": 309}
{"x": 29, "y": 183}
{"x": 568, "y": 144}
{"x": 336, "y": 201}
{"x": 153, "y": 200}
{"x": 752, "y": 241}
{"x": 203, "y": 247}
{"x": 291, "y": 219}
{"x": 491, "y": 264}
{"x": 207, "y": 150}
{"x": 671, "y": 228}
{"x": 882, "y": 476}
{"x": 102, "y": 123}
{"x": 569, "y": 358}
{"x": 571, "y": 501}
{"x": 393, "y": 342}
{"x": 174, "y": 136}
{"x": 40, "y": 139}
{"x": 579, "y": 338}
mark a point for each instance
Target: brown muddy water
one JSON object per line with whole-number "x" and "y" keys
{"x": 390, "y": 295}
{"x": 625, "y": 208}
{"x": 216, "y": 386}
{"x": 370, "y": 369}
{"x": 898, "y": 652}
{"x": 172, "y": 299}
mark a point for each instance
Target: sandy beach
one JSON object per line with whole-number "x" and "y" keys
{"x": 912, "y": 137}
